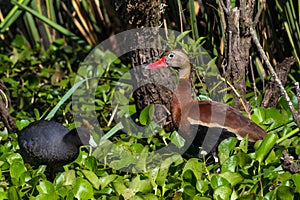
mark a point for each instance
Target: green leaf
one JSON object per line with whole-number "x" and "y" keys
{"x": 189, "y": 192}
{"x": 297, "y": 150}
{"x": 244, "y": 144}
{"x": 136, "y": 148}
{"x": 142, "y": 197}
{"x": 15, "y": 157}
{"x": 125, "y": 160}
{"x": 225, "y": 147}
{"x": 198, "y": 197}
{"x": 195, "y": 166}
{"x": 177, "y": 139}
{"x": 83, "y": 189}
{"x": 90, "y": 163}
{"x": 59, "y": 180}
{"x": 217, "y": 181}
{"x": 164, "y": 168}
{"x": 222, "y": 193}
{"x": 142, "y": 185}
{"x": 182, "y": 35}
{"x": 153, "y": 176}
{"x": 274, "y": 118}
{"x": 120, "y": 98}
{"x": 92, "y": 177}
{"x": 46, "y": 187}
{"x": 202, "y": 186}
{"x": 272, "y": 172}
{"x": 272, "y": 158}
{"x": 244, "y": 159}
{"x": 129, "y": 193}
{"x": 232, "y": 177}
{"x": 47, "y": 191}
{"x": 147, "y": 115}
{"x": 230, "y": 164}
{"x": 296, "y": 179}
{"x": 47, "y": 197}
{"x": 104, "y": 181}
{"x": 13, "y": 193}
{"x": 22, "y": 123}
{"x": 3, "y": 135}
{"x": 105, "y": 191}
{"x": 16, "y": 169}
{"x": 267, "y": 144}
{"x": 284, "y": 193}
{"x": 258, "y": 115}
{"x": 69, "y": 177}
{"x": 119, "y": 187}
{"x": 37, "y": 114}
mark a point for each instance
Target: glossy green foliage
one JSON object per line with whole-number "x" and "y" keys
{"x": 38, "y": 80}
{"x": 241, "y": 173}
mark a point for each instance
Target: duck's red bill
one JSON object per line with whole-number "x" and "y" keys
{"x": 158, "y": 64}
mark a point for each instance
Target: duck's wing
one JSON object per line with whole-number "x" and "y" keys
{"x": 215, "y": 114}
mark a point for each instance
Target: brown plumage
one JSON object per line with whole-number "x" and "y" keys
{"x": 187, "y": 112}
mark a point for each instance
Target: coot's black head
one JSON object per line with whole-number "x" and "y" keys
{"x": 80, "y": 136}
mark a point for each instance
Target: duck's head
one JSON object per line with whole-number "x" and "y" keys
{"x": 177, "y": 59}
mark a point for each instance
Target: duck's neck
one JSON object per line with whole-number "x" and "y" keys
{"x": 185, "y": 73}
{"x": 181, "y": 100}
{"x": 182, "y": 96}
{"x": 183, "y": 92}
{"x": 183, "y": 89}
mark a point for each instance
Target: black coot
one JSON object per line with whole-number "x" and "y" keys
{"x": 50, "y": 143}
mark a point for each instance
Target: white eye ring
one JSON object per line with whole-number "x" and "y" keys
{"x": 171, "y": 55}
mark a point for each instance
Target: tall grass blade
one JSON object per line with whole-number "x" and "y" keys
{"x": 30, "y": 25}
{"x": 52, "y": 16}
{"x": 50, "y": 23}
{"x": 65, "y": 97}
{"x": 12, "y": 16}
{"x": 193, "y": 20}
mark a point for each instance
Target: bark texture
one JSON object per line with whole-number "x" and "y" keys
{"x": 272, "y": 93}
{"x": 237, "y": 24}
{"x": 152, "y": 86}
{"x": 5, "y": 116}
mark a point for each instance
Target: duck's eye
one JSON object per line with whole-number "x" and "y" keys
{"x": 171, "y": 55}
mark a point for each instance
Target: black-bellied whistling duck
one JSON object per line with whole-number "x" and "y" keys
{"x": 187, "y": 112}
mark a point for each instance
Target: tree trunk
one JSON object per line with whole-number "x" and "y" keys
{"x": 5, "y": 116}
{"x": 272, "y": 93}
{"x": 139, "y": 14}
{"x": 238, "y": 42}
